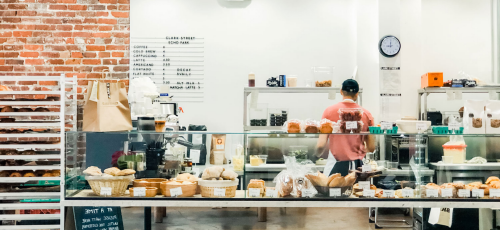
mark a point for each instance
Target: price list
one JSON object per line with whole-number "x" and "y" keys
{"x": 174, "y": 60}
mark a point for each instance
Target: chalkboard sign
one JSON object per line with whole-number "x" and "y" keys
{"x": 98, "y": 218}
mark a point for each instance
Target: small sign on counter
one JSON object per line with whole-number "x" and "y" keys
{"x": 407, "y": 193}
{"x": 477, "y": 193}
{"x": 495, "y": 193}
{"x": 220, "y": 192}
{"x": 351, "y": 125}
{"x": 365, "y": 185}
{"x": 174, "y": 192}
{"x": 366, "y": 168}
{"x": 369, "y": 193}
{"x": 254, "y": 192}
{"x": 307, "y": 193}
{"x": 334, "y": 192}
{"x": 273, "y": 193}
{"x": 140, "y": 191}
{"x": 388, "y": 193}
{"x": 447, "y": 192}
{"x": 464, "y": 193}
{"x": 384, "y": 125}
{"x": 106, "y": 191}
{"x": 431, "y": 193}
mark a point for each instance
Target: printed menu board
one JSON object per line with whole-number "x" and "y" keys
{"x": 174, "y": 60}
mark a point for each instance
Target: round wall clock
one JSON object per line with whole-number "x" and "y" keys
{"x": 389, "y": 46}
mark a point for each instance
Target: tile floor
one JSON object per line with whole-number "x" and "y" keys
{"x": 246, "y": 219}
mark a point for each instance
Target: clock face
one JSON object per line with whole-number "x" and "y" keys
{"x": 389, "y": 46}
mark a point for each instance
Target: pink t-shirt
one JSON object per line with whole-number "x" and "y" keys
{"x": 347, "y": 147}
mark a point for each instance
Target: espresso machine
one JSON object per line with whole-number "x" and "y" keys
{"x": 159, "y": 164}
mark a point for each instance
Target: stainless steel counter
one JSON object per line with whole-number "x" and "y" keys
{"x": 465, "y": 173}
{"x": 466, "y": 167}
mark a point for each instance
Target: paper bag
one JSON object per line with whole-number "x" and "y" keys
{"x": 106, "y": 107}
{"x": 441, "y": 216}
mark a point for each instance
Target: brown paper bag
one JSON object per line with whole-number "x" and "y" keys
{"x": 110, "y": 112}
{"x": 218, "y": 147}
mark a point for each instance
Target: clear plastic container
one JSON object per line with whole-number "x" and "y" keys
{"x": 323, "y": 76}
{"x": 259, "y": 115}
{"x": 257, "y": 160}
{"x": 381, "y": 163}
{"x": 392, "y": 165}
{"x": 278, "y": 117}
{"x": 455, "y": 151}
{"x": 355, "y": 114}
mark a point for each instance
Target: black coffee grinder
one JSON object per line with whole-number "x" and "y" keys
{"x": 154, "y": 146}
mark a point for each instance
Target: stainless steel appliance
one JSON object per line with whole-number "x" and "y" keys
{"x": 169, "y": 108}
{"x": 398, "y": 150}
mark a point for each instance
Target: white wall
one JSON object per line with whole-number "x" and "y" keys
{"x": 271, "y": 37}
{"x": 261, "y": 36}
{"x": 367, "y": 53}
{"x": 444, "y": 36}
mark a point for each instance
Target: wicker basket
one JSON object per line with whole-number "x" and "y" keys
{"x": 118, "y": 184}
{"x": 188, "y": 190}
{"x": 208, "y": 186}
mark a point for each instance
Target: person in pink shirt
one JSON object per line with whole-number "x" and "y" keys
{"x": 346, "y": 151}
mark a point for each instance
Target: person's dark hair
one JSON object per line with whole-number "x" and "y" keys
{"x": 349, "y": 94}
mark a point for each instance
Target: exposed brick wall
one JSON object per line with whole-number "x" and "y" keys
{"x": 87, "y": 38}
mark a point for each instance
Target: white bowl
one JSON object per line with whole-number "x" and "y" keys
{"x": 410, "y": 126}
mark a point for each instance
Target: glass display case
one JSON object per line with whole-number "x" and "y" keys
{"x": 404, "y": 170}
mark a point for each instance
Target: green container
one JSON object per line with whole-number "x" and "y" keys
{"x": 394, "y": 130}
{"x": 39, "y": 200}
{"x": 440, "y": 129}
{"x": 45, "y": 183}
{"x": 375, "y": 130}
{"x": 443, "y": 130}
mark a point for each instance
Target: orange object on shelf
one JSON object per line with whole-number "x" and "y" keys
{"x": 432, "y": 79}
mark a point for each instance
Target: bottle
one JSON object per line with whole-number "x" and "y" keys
{"x": 251, "y": 80}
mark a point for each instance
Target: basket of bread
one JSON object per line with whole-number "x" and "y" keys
{"x": 113, "y": 178}
{"x": 184, "y": 185}
{"x": 149, "y": 182}
{"x": 322, "y": 183}
{"x": 218, "y": 182}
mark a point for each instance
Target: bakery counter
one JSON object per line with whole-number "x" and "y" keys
{"x": 88, "y": 198}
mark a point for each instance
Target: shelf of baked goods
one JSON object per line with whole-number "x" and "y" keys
{"x": 32, "y": 102}
{"x": 34, "y": 167}
{"x": 31, "y": 92}
{"x": 30, "y": 135}
{"x": 27, "y": 179}
{"x": 17, "y": 206}
{"x": 39, "y": 114}
{"x": 219, "y": 187}
{"x": 30, "y": 146}
{"x": 30, "y": 124}
{"x": 30, "y": 157}
{"x": 30, "y": 217}
{"x": 15, "y": 227}
{"x": 28, "y": 195}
